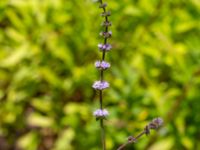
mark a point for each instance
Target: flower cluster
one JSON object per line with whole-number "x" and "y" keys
{"x": 100, "y": 85}
{"x": 102, "y": 65}
{"x": 106, "y": 24}
{"x": 104, "y": 47}
{"x": 106, "y": 34}
{"x": 101, "y": 113}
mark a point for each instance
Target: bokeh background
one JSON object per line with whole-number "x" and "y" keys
{"x": 47, "y": 54}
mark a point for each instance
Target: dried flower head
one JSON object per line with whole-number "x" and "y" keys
{"x": 154, "y": 124}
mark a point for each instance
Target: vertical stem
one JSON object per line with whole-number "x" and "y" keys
{"x": 132, "y": 141}
{"x": 103, "y": 135}
{"x": 101, "y": 120}
{"x": 101, "y": 92}
{"x": 101, "y": 99}
{"x": 101, "y": 106}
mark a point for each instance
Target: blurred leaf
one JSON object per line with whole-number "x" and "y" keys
{"x": 15, "y": 58}
{"x": 64, "y": 140}
{"x": 35, "y": 119}
{"x": 49, "y": 76}
{"x": 187, "y": 142}
{"x": 28, "y": 141}
{"x": 42, "y": 104}
{"x": 164, "y": 144}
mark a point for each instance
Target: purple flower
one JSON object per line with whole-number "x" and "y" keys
{"x": 102, "y": 64}
{"x": 106, "y": 24}
{"x": 103, "y": 47}
{"x": 100, "y": 85}
{"x": 106, "y": 34}
{"x": 100, "y": 113}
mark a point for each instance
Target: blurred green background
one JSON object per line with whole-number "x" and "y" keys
{"x": 47, "y": 54}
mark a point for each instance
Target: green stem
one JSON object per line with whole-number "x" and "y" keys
{"x": 101, "y": 92}
{"x": 103, "y": 135}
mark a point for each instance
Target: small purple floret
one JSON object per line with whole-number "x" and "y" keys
{"x": 98, "y": 64}
{"x": 102, "y": 64}
{"x": 100, "y": 85}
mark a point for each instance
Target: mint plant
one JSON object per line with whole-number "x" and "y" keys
{"x": 101, "y": 84}
{"x": 102, "y": 65}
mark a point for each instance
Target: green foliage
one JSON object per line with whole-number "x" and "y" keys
{"x": 47, "y": 50}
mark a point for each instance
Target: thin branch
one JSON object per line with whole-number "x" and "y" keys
{"x": 154, "y": 124}
{"x": 131, "y": 140}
